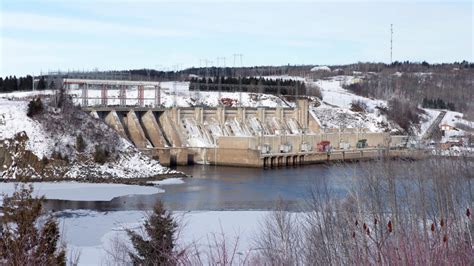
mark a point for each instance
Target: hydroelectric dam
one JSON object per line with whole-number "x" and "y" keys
{"x": 230, "y": 136}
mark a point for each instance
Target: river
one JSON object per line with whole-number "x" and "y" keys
{"x": 230, "y": 188}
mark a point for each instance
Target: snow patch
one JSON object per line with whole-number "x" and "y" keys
{"x": 13, "y": 119}
{"x": 82, "y": 191}
{"x": 168, "y": 181}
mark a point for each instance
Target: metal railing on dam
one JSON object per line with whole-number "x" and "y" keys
{"x": 114, "y": 92}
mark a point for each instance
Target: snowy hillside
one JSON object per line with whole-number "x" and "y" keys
{"x": 13, "y": 120}
{"x": 455, "y": 119}
{"x": 429, "y": 118}
{"x": 335, "y": 110}
{"x": 45, "y": 146}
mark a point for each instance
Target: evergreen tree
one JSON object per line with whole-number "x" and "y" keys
{"x": 21, "y": 242}
{"x": 35, "y": 107}
{"x": 157, "y": 247}
{"x": 80, "y": 143}
{"x": 14, "y": 84}
{"x": 51, "y": 85}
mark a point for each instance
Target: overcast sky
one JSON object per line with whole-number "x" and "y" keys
{"x": 47, "y": 35}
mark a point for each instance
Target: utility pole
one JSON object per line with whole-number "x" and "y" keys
{"x": 391, "y": 43}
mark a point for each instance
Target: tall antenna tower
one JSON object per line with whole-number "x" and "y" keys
{"x": 391, "y": 43}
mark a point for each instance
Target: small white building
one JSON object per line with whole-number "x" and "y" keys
{"x": 446, "y": 127}
{"x": 321, "y": 68}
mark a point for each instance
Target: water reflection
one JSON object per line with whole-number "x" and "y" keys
{"x": 229, "y": 188}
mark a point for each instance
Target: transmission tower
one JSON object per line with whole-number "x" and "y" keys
{"x": 220, "y": 74}
{"x": 219, "y": 60}
{"x": 240, "y": 56}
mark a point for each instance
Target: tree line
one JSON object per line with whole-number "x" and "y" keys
{"x": 12, "y": 83}
{"x": 249, "y": 84}
{"x": 445, "y": 89}
{"x": 248, "y": 81}
{"x": 437, "y": 104}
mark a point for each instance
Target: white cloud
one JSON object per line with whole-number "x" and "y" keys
{"x": 35, "y": 22}
{"x": 144, "y": 33}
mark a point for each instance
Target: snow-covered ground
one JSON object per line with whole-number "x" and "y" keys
{"x": 458, "y": 124}
{"x": 453, "y": 118}
{"x": 93, "y": 233}
{"x": 83, "y": 191}
{"x": 335, "y": 94}
{"x": 25, "y": 94}
{"x": 13, "y": 119}
{"x": 428, "y": 118}
{"x": 335, "y": 110}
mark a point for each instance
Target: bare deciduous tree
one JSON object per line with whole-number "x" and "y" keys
{"x": 396, "y": 212}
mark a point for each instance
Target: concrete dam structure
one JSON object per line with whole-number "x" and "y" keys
{"x": 237, "y": 136}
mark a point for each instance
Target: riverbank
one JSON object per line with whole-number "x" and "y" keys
{"x": 96, "y": 180}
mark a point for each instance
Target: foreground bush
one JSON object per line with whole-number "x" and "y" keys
{"x": 22, "y": 240}
{"x": 398, "y": 213}
{"x": 35, "y": 107}
{"x": 156, "y": 245}
{"x": 100, "y": 154}
{"x": 80, "y": 143}
{"x": 358, "y": 106}
{"x": 404, "y": 113}
{"x": 395, "y": 213}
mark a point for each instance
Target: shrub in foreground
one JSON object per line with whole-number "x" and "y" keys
{"x": 100, "y": 154}
{"x": 21, "y": 241}
{"x": 157, "y": 246}
{"x": 35, "y": 107}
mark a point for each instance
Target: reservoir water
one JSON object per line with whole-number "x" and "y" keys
{"x": 230, "y": 188}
